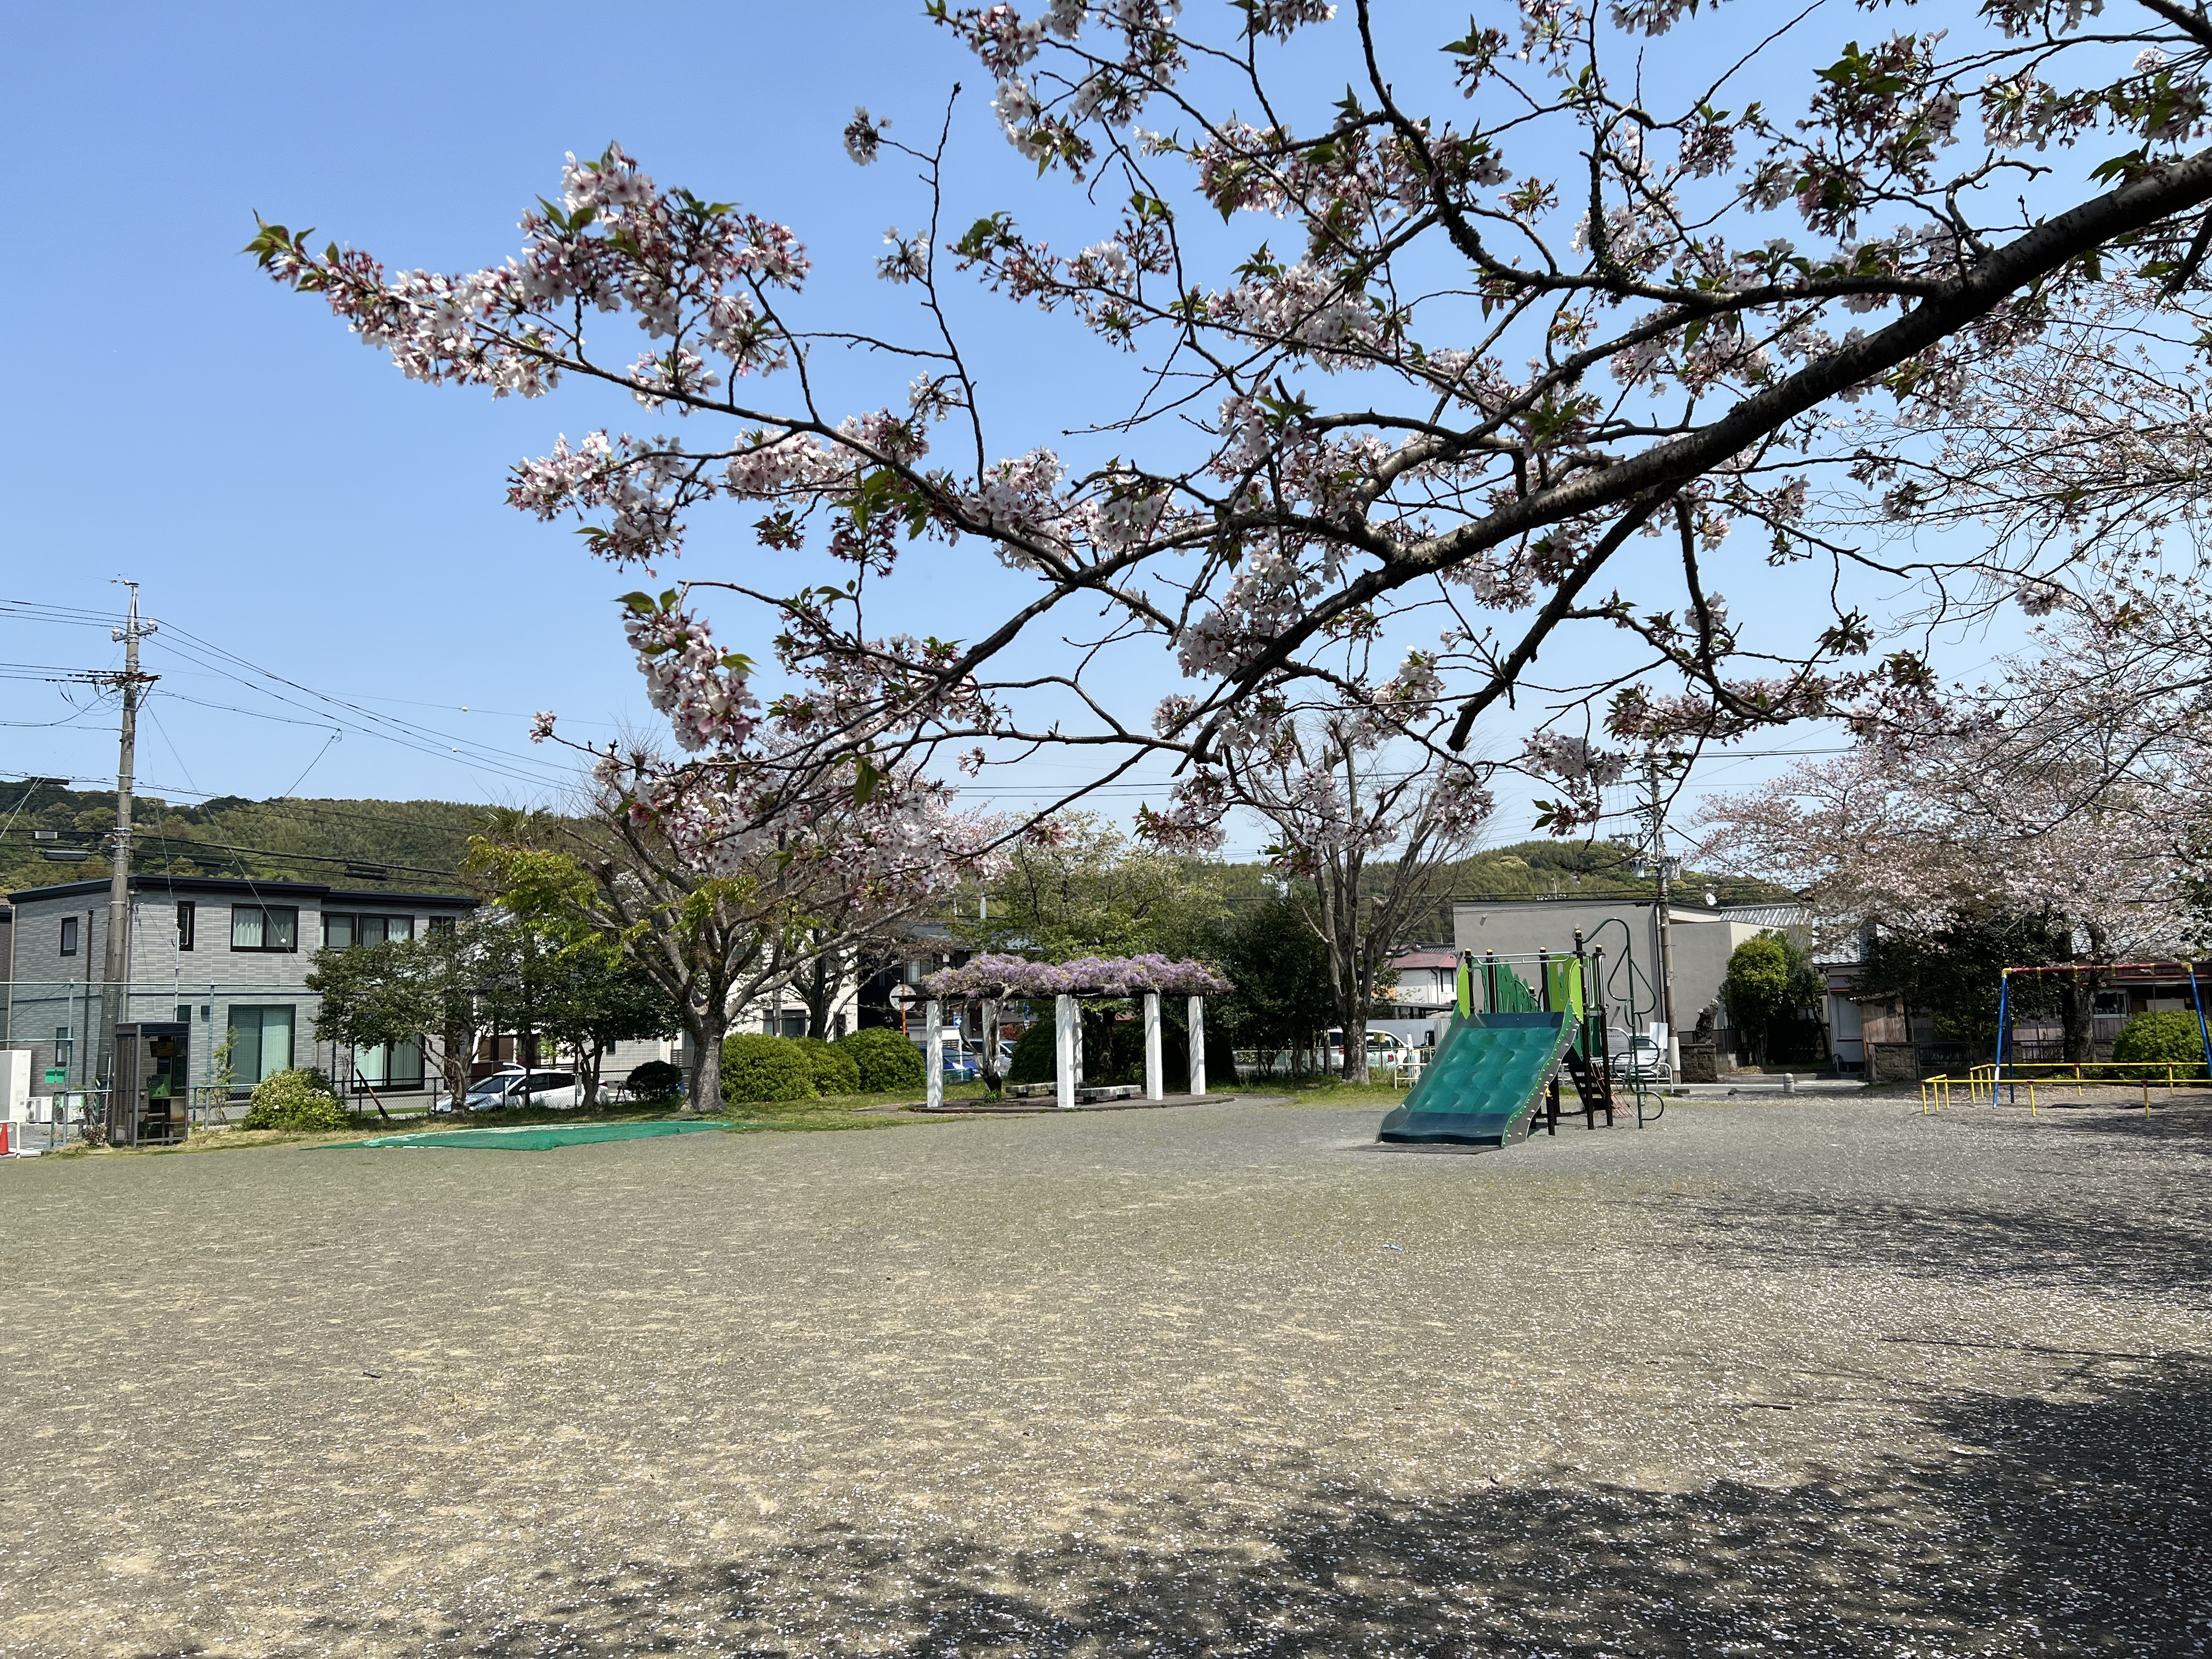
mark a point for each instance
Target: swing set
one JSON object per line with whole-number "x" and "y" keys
{"x": 2079, "y": 1072}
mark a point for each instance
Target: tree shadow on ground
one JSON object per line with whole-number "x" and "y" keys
{"x": 2147, "y": 1248}
{"x": 2031, "y": 1526}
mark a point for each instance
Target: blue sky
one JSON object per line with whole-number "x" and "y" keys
{"x": 283, "y": 494}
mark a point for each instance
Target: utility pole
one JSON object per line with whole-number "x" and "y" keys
{"x": 1665, "y": 866}
{"x": 116, "y": 968}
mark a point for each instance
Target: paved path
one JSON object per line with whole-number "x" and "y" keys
{"x": 1823, "y": 1377}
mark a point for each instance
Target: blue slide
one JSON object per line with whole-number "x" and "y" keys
{"x": 1490, "y": 1073}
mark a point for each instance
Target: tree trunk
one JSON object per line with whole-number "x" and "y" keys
{"x": 817, "y": 991}
{"x": 703, "y": 1031}
{"x": 1355, "y": 1047}
{"x": 587, "y": 1072}
{"x": 993, "y": 1079}
{"x": 2077, "y": 999}
{"x": 453, "y": 1056}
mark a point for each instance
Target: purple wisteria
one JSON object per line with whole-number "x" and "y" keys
{"x": 1008, "y": 976}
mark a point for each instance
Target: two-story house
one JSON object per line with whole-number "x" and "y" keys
{"x": 228, "y": 957}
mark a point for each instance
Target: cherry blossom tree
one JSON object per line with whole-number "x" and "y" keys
{"x": 1420, "y": 375}
{"x": 1371, "y": 831}
{"x": 715, "y": 928}
{"x": 2053, "y": 793}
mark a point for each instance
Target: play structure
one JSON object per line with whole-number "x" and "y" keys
{"x": 1498, "y": 1067}
{"x": 2116, "y": 975}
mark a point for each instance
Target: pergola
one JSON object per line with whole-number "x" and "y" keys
{"x": 994, "y": 979}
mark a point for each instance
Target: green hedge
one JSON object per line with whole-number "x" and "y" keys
{"x": 835, "y": 1071}
{"x": 2160, "y": 1038}
{"x": 885, "y": 1060}
{"x": 759, "y": 1068}
{"x": 1035, "y": 1060}
{"x": 300, "y": 1099}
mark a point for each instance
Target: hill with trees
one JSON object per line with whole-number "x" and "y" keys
{"x": 413, "y": 846}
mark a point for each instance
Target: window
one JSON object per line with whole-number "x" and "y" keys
{"x": 442, "y": 924}
{"x": 265, "y": 928}
{"x": 789, "y": 1022}
{"x": 64, "y": 1050}
{"x": 183, "y": 1013}
{"x": 187, "y": 922}
{"x": 340, "y": 931}
{"x": 69, "y": 935}
{"x": 396, "y": 1065}
{"x": 260, "y": 1044}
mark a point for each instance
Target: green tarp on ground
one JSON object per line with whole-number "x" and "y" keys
{"x": 532, "y": 1137}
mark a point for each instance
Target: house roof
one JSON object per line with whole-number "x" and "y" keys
{"x": 1435, "y": 958}
{"x": 230, "y": 886}
{"x": 1767, "y": 916}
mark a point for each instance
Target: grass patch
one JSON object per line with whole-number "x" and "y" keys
{"x": 838, "y": 1112}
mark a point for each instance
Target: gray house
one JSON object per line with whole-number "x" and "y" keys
{"x": 228, "y": 957}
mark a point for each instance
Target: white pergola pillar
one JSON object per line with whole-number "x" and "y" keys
{"x": 1067, "y": 1049}
{"x": 1198, "y": 1045}
{"x": 1155, "y": 1072}
{"x": 933, "y": 1049}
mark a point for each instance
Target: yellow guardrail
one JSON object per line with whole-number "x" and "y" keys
{"x": 1981, "y": 1083}
{"x": 2079, "y": 1072}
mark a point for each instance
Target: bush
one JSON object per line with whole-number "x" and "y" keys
{"x": 759, "y": 1068}
{"x": 2160, "y": 1038}
{"x": 299, "y": 1100}
{"x": 886, "y": 1060}
{"x": 1035, "y": 1057}
{"x": 655, "y": 1080}
{"x": 835, "y": 1072}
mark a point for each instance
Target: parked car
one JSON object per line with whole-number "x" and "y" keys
{"x": 962, "y": 1063}
{"x": 513, "y": 1086}
{"x": 1384, "y": 1049}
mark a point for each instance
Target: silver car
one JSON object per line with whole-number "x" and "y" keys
{"x": 516, "y": 1087}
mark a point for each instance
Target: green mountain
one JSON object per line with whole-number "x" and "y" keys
{"x": 397, "y": 846}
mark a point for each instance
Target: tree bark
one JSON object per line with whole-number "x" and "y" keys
{"x": 704, "y": 1028}
{"x": 817, "y": 991}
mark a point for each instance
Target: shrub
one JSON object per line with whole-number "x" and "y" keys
{"x": 655, "y": 1080}
{"x": 2159, "y": 1038}
{"x": 300, "y": 1099}
{"x": 835, "y": 1071}
{"x": 756, "y": 1067}
{"x": 886, "y": 1060}
{"x": 1035, "y": 1058}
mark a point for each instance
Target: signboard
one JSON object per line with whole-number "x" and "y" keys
{"x": 55, "y": 1075}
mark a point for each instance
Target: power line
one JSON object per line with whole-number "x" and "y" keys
{"x": 183, "y": 846}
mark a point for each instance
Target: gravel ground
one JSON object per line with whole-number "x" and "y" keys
{"x": 1823, "y": 1378}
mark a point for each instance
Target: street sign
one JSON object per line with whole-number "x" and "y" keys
{"x": 55, "y": 1075}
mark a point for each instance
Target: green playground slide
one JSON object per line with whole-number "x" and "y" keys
{"x": 1483, "y": 1086}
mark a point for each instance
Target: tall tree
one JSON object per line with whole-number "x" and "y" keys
{"x": 1375, "y": 843}
{"x": 712, "y": 922}
{"x": 1910, "y": 835}
{"x": 1281, "y": 998}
